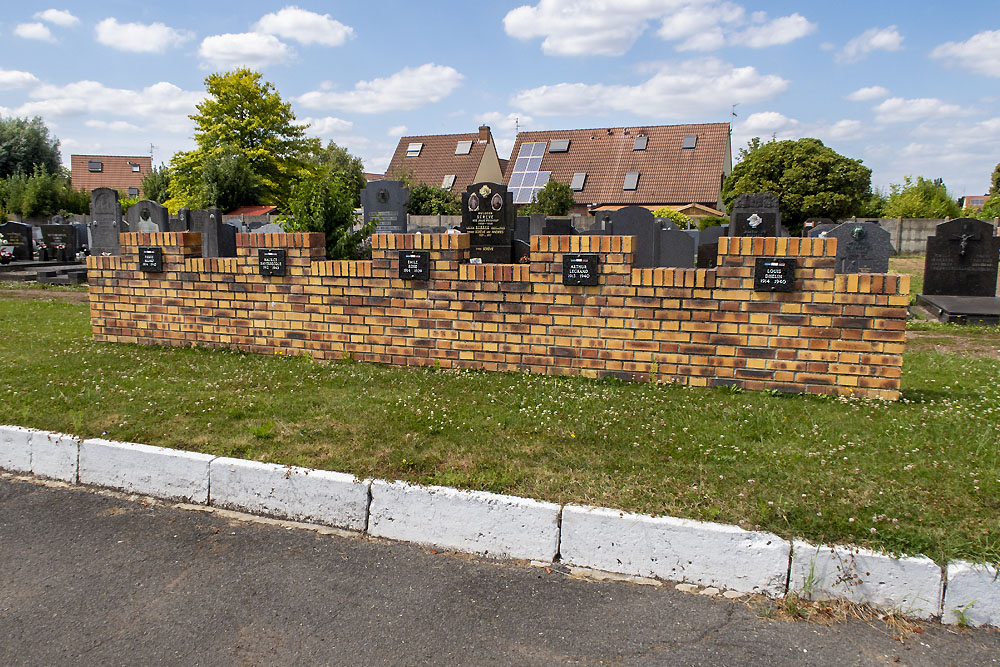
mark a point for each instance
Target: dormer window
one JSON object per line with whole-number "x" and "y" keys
{"x": 135, "y": 167}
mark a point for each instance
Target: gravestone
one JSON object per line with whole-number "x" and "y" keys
{"x": 774, "y": 274}
{"x": 755, "y": 214}
{"x": 708, "y": 246}
{"x": 18, "y": 236}
{"x": 488, "y": 218}
{"x": 962, "y": 259}
{"x": 558, "y": 227}
{"x": 148, "y": 216}
{"x": 106, "y": 222}
{"x": 637, "y": 221}
{"x": 811, "y": 223}
{"x": 385, "y": 203}
{"x": 862, "y": 247}
{"x": 181, "y": 222}
{"x": 82, "y": 237}
{"x": 60, "y": 241}
{"x": 581, "y": 269}
{"x": 217, "y": 239}
{"x": 522, "y": 238}
{"x": 676, "y": 248}
{"x": 822, "y": 229}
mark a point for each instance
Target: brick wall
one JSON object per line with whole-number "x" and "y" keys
{"x": 835, "y": 334}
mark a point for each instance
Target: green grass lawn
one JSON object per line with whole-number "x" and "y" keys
{"x": 921, "y": 475}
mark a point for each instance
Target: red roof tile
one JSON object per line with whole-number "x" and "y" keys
{"x": 116, "y": 172}
{"x": 437, "y": 159}
{"x": 668, "y": 173}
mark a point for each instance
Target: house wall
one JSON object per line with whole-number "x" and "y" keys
{"x": 700, "y": 327}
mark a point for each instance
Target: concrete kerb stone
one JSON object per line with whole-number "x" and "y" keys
{"x": 289, "y": 492}
{"x": 152, "y": 471}
{"x": 15, "y": 448}
{"x": 972, "y": 596}
{"x": 910, "y": 585}
{"x": 471, "y": 521}
{"x": 682, "y": 550}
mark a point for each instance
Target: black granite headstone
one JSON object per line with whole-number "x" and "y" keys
{"x": 637, "y": 221}
{"x": 106, "y": 222}
{"x": 822, "y": 229}
{"x": 676, "y": 248}
{"x": 18, "y": 236}
{"x": 414, "y": 265}
{"x": 580, "y": 269}
{"x": 385, "y": 204}
{"x": 271, "y": 261}
{"x": 60, "y": 241}
{"x": 774, "y": 274}
{"x": 217, "y": 238}
{"x": 962, "y": 259}
{"x": 488, "y": 218}
{"x": 755, "y": 214}
{"x": 558, "y": 227}
{"x": 150, "y": 259}
{"x": 522, "y": 238}
{"x": 182, "y": 222}
{"x": 148, "y": 216}
{"x": 862, "y": 247}
{"x": 708, "y": 246}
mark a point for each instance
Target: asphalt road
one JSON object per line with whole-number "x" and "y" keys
{"x": 98, "y": 579}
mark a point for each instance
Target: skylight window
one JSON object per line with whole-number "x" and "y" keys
{"x": 463, "y": 148}
{"x": 690, "y": 141}
{"x": 559, "y": 146}
{"x": 135, "y": 167}
{"x": 579, "y": 179}
{"x": 95, "y": 165}
{"x": 413, "y": 150}
{"x": 631, "y": 180}
{"x": 640, "y": 143}
{"x": 448, "y": 181}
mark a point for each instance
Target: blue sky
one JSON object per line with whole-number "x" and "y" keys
{"x": 907, "y": 87}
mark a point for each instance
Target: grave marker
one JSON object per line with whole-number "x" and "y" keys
{"x": 271, "y": 261}
{"x": 385, "y": 203}
{"x": 415, "y": 264}
{"x": 488, "y": 219}
{"x": 148, "y": 216}
{"x": 106, "y": 222}
{"x": 862, "y": 247}
{"x": 150, "y": 259}
{"x": 18, "y": 236}
{"x": 755, "y": 214}
{"x": 580, "y": 269}
{"x": 774, "y": 274}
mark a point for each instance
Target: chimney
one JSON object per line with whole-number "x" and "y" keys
{"x": 484, "y": 134}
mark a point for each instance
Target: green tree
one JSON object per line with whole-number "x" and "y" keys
{"x": 321, "y": 202}
{"x": 245, "y": 116}
{"x": 809, "y": 179}
{"x": 991, "y": 209}
{"x": 41, "y": 194}
{"x": 682, "y": 221}
{"x": 228, "y": 181}
{"x": 335, "y": 159}
{"x": 429, "y": 200}
{"x": 553, "y": 199}
{"x": 923, "y": 198}
{"x": 25, "y": 144}
{"x": 156, "y": 184}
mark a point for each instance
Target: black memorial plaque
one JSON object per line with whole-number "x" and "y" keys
{"x": 961, "y": 259}
{"x": 151, "y": 259}
{"x": 774, "y": 274}
{"x": 488, "y": 218}
{"x": 580, "y": 269}
{"x": 414, "y": 265}
{"x": 271, "y": 261}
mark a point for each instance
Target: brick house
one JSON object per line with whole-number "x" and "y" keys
{"x": 680, "y": 166}
{"x": 449, "y": 161}
{"x": 121, "y": 172}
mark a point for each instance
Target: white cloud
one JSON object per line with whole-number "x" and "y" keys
{"x": 409, "y": 88}
{"x": 12, "y": 78}
{"x": 162, "y": 105}
{"x": 139, "y": 37}
{"x": 304, "y": 27}
{"x": 60, "y": 17}
{"x": 610, "y": 28}
{"x": 774, "y": 33}
{"x": 676, "y": 90}
{"x": 397, "y": 131}
{"x": 868, "y": 94}
{"x": 768, "y": 124}
{"x": 980, "y": 53}
{"x": 899, "y": 110}
{"x": 326, "y": 126}
{"x": 34, "y": 31}
{"x": 873, "y": 39}
{"x": 113, "y": 126}
{"x": 250, "y": 49}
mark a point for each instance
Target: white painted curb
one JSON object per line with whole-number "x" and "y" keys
{"x": 910, "y": 585}
{"x": 972, "y": 594}
{"x": 298, "y": 494}
{"x": 54, "y": 455}
{"x": 15, "y": 448}
{"x": 709, "y": 554}
{"x": 473, "y": 521}
{"x": 152, "y": 471}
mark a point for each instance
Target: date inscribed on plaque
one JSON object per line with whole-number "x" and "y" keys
{"x": 774, "y": 274}
{"x": 580, "y": 269}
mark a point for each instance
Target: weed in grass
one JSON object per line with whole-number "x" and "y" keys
{"x": 264, "y": 431}
{"x": 962, "y": 614}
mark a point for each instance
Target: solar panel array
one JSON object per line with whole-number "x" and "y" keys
{"x": 526, "y": 179}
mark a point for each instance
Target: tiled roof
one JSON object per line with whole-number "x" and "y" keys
{"x": 254, "y": 210}
{"x": 437, "y": 159}
{"x": 668, "y": 173}
{"x": 116, "y": 172}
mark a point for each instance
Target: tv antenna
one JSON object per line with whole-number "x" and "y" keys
{"x": 732, "y": 112}
{"x": 151, "y": 149}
